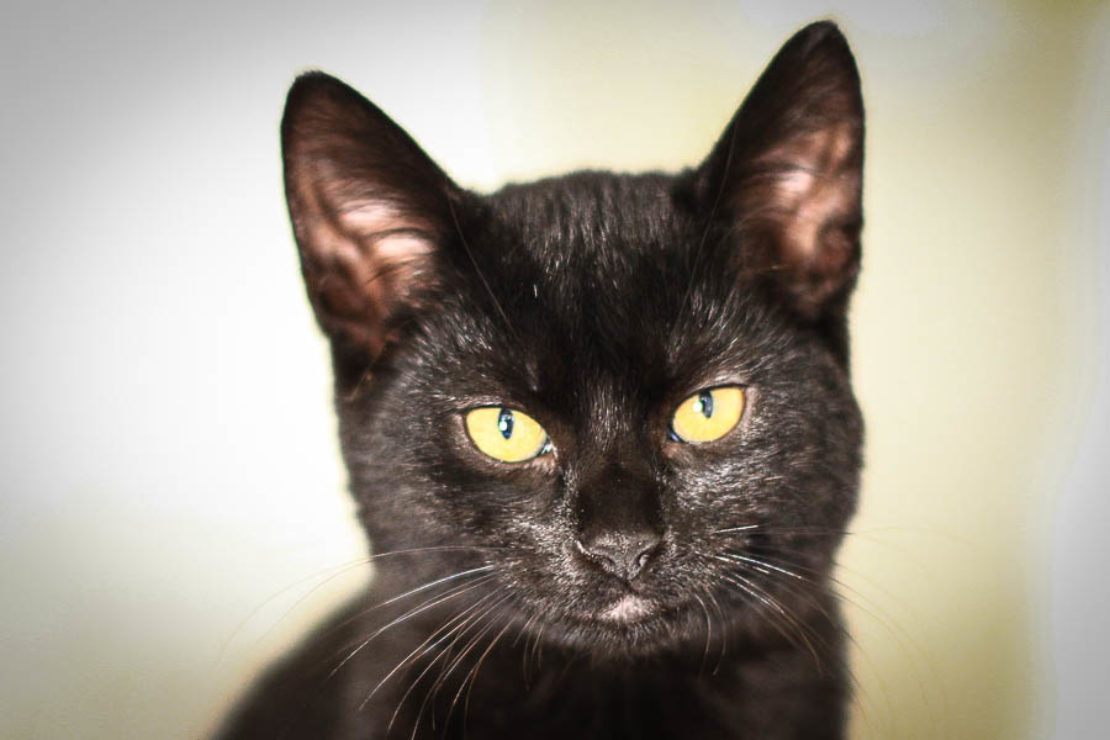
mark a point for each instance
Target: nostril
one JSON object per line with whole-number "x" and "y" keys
{"x": 598, "y": 555}
{"x": 623, "y": 556}
{"x": 645, "y": 557}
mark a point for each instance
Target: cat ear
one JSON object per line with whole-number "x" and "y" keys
{"x": 788, "y": 171}
{"x": 368, "y": 209}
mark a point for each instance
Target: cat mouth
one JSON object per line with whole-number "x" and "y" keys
{"x": 628, "y": 609}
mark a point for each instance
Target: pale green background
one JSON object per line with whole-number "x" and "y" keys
{"x": 172, "y": 501}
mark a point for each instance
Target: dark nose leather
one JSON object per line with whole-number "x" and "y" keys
{"x": 619, "y": 519}
{"x": 622, "y": 554}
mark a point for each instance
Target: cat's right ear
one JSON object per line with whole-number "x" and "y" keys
{"x": 786, "y": 176}
{"x": 368, "y": 207}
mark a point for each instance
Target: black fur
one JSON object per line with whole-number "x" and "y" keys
{"x": 597, "y": 303}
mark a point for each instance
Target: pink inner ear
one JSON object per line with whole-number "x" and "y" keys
{"x": 395, "y": 239}
{"x": 807, "y": 193}
{"x": 365, "y": 260}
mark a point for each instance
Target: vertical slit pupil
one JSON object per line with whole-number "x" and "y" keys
{"x": 505, "y": 423}
{"x": 705, "y": 404}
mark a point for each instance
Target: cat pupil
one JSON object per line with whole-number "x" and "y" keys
{"x": 704, "y": 406}
{"x": 505, "y": 423}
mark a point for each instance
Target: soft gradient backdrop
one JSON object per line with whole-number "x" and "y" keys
{"x": 173, "y": 512}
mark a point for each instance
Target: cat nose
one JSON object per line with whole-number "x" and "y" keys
{"x": 622, "y": 554}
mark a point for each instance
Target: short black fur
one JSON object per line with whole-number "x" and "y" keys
{"x": 624, "y": 584}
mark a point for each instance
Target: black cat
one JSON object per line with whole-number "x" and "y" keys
{"x": 599, "y": 428}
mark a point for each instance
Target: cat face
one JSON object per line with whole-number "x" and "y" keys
{"x": 623, "y": 399}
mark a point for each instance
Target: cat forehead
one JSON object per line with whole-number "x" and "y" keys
{"x": 595, "y": 248}
{"x": 591, "y": 280}
{"x": 599, "y": 216}
{"x": 606, "y": 259}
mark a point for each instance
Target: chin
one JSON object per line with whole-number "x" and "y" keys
{"x": 631, "y": 627}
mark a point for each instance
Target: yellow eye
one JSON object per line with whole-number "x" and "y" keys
{"x": 506, "y": 435}
{"x": 708, "y": 415}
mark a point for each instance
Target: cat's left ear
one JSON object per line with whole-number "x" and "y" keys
{"x": 787, "y": 173}
{"x": 370, "y": 211}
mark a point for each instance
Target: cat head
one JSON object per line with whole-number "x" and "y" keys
{"x": 623, "y": 397}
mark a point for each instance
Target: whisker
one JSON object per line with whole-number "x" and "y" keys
{"x": 435, "y": 583}
{"x": 431, "y": 603}
{"x": 724, "y": 630}
{"x": 770, "y": 602}
{"x": 469, "y": 646}
{"x": 869, "y": 607}
{"x": 536, "y": 653}
{"x": 746, "y": 528}
{"x": 858, "y": 689}
{"x": 709, "y": 222}
{"x": 800, "y": 587}
{"x": 458, "y": 631}
{"x": 472, "y": 677}
{"x": 845, "y": 591}
{"x": 523, "y": 634}
{"x": 325, "y": 576}
{"x": 331, "y": 573}
{"x": 793, "y": 586}
{"x": 478, "y": 271}
{"x": 363, "y": 612}
{"x": 764, "y": 565}
{"x": 429, "y": 643}
{"x": 708, "y": 631}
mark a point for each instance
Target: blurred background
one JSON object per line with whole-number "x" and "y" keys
{"x": 173, "y": 512}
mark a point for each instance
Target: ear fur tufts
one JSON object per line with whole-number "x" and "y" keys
{"x": 368, "y": 207}
{"x": 788, "y": 170}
